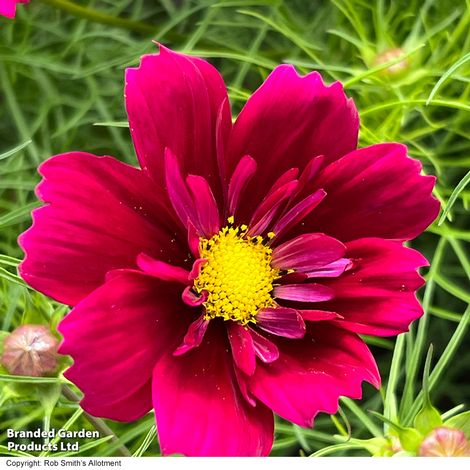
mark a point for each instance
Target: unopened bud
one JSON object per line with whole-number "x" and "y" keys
{"x": 390, "y": 55}
{"x": 30, "y": 350}
{"x": 445, "y": 442}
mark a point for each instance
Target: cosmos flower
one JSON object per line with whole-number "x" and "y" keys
{"x": 229, "y": 277}
{"x": 8, "y": 7}
{"x": 30, "y": 350}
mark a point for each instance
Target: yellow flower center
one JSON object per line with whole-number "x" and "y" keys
{"x": 238, "y": 276}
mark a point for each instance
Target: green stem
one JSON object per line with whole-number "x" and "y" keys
{"x": 97, "y": 423}
{"x": 444, "y": 361}
{"x": 103, "y": 18}
{"x": 416, "y": 355}
{"x": 365, "y": 420}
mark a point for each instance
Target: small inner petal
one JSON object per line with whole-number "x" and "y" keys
{"x": 237, "y": 276}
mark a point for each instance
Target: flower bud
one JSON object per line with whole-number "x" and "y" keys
{"x": 388, "y": 56}
{"x": 445, "y": 442}
{"x": 30, "y": 350}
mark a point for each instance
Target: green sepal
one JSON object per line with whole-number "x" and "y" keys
{"x": 460, "y": 421}
{"x": 428, "y": 418}
{"x": 410, "y": 439}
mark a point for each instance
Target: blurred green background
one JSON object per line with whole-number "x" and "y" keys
{"x": 406, "y": 64}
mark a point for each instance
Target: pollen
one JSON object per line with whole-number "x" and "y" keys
{"x": 237, "y": 276}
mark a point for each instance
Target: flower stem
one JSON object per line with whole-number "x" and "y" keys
{"x": 103, "y": 18}
{"x": 97, "y": 423}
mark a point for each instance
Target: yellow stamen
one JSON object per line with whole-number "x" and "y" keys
{"x": 237, "y": 276}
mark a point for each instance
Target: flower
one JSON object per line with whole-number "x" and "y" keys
{"x": 445, "y": 442}
{"x": 8, "y": 7}
{"x": 30, "y": 350}
{"x": 230, "y": 276}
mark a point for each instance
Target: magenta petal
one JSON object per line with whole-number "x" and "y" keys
{"x": 281, "y": 321}
{"x": 286, "y": 122}
{"x": 192, "y": 299}
{"x": 377, "y": 296}
{"x": 115, "y": 336}
{"x": 266, "y": 350}
{"x": 292, "y": 278}
{"x": 196, "y": 269}
{"x": 243, "y": 386}
{"x": 193, "y": 337}
{"x": 180, "y": 198}
{"x": 100, "y": 215}
{"x": 199, "y": 408}
{"x": 193, "y": 239}
{"x": 161, "y": 270}
{"x": 242, "y": 347}
{"x": 8, "y": 8}
{"x": 174, "y": 100}
{"x": 290, "y": 175}
{"x": 223, "y": 126}
{"x": 127, "y": 409}
{"x": 296, "y": 214}
{"x": 310, "y": 172}
{"x": 242, "y": 174}
{"x": 304, "y": 292}
{"x": 319, "y": 315}
{"x": 204, "y": 205}
{"x": 307, "y": 252}
{"x": 333, "y": 269}
{"x": 376, "y": 191}
{"x": 312, "y": 373}
{"x": 270, "y": 206}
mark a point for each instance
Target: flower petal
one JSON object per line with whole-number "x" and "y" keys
{"x": 377, "y": 296}
{"x": 161, "y": 270}
{"x": 193, "y": 337}
{"x": 191, "y": 298}
{"x": 8, "y": 8}
{"x": 296, "y": 214}
{"x": 318, "y": 315}
{"x": 178, "y": 192}
{"x": 243, "y": 350}
{"x": 127, "y": 409}
{"x": 312, "y": 373}
{"x": 304, "y": 292}
{"x": 199, "y": 408}
{"x": 173, "y": 100}
{"x": 333, "y": 269}
{"x": 100, "y": 215}
{"x": 289, "y": 120}
{"x": 280, "y": 321}
{"x": 266, "y": 350}
{"x": 205, "y": 205}
{"x": 241, "y": 176}
{"x": 376, "y": 191}
{"x": 307, "y": 252}
{"x": 270, "y": 206}
{"x": 115, "y": 336}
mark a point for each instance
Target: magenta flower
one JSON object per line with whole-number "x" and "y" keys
{"x": 8, "y": 7}
{"x": 230, "y": 276}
